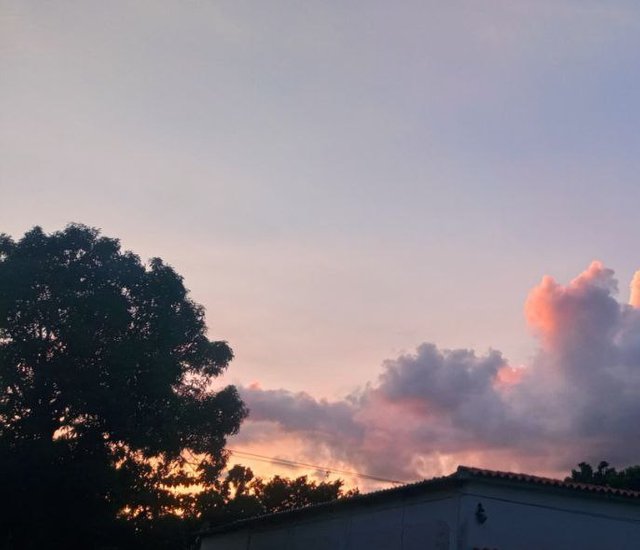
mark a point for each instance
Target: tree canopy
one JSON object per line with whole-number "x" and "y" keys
{"x": 242, "y": 495}
{"x": 106, "y": 396}
{"x": 605, "y": 474}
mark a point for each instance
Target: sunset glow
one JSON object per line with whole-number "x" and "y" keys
{"x": 634, "y": 299}
{"x": 402, "y": 217}
{"x": 434, "y": 408}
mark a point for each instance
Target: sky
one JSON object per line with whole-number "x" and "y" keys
{"x": 384, "y": 207}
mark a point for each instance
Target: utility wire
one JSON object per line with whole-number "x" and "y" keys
{"x": 296, "y": 464}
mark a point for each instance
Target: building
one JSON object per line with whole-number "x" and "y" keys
{"x": 471, "y": 509}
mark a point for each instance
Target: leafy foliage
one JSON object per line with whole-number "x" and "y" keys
{"x": 105, "y": 392}
{"x": 604, "y": 474}
{"x": 243, "y": 495}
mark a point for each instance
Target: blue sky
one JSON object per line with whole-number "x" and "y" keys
{"x": 338, "y": 182}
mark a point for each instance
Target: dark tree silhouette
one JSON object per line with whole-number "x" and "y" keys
{"x": 105, "y": 392}
{"x": 604, "y": 474}
{"x": 242, "y": 495}
{"x": 280, "y": 493}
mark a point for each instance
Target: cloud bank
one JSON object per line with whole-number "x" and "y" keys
{"x": 579, "y": 398}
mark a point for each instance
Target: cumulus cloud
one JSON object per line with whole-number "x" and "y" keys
{"x": 634, "y": 299}
{"x": 579, "y": 398}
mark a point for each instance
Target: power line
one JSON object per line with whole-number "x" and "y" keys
{"x": 296, "y": 464}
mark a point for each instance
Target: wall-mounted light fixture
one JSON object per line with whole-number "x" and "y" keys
{"x": 481, "y": 515}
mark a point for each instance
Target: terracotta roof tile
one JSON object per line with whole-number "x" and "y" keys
{"x": 464, "y": 472}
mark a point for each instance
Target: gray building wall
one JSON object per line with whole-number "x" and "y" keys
{"x": 517, "y": 518}
{"x": 534, "y": 518}
{"x": 418, "y": 523}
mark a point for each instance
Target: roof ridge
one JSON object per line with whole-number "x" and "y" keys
{"x": 461, "y": 475}
{"x": 467, "y": 472}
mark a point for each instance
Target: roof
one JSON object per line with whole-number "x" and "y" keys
{"x": 461, "y": 476}
{"x": 466, "y": 472}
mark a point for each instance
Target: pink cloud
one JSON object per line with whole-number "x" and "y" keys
{"x": 508, "y": 377}
{"x": 554, "y": 311}
{"x": 634, "y": 299}
{"x": 578, "y": 399}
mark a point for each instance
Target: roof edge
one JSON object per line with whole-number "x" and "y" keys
{"x": 461, "y": 476}
{"x": 469, "y": 473}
